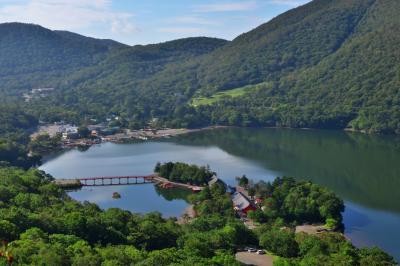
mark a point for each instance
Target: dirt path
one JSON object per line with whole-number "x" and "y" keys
{"x": 162, "y": 180}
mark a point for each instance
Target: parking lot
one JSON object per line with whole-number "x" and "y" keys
{"x": 254, "y": 259}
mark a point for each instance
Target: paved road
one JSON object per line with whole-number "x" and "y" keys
{"x": 254, "y": 259}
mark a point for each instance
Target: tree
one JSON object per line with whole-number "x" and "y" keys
{"x": 243, "y": 181}
{"x": 375, "y": 256}
{"x": 252, "y": 192}
{"x": 83, "y": 132}
{"x": 280, "y": 242}
{"x": 8, "y": 231}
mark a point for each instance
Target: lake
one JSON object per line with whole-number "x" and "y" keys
{"x": 364, "y": 170}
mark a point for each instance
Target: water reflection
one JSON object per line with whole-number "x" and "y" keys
{"x": 364, "y": 170}
{"x": 361, "y": 168}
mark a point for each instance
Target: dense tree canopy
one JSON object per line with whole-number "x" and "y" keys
{"x": 43, "y": 226}
{"x": 298, "y": 202}
{"x": 184, "y": 173}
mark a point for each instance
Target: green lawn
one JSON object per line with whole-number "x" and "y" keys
{"x": 198, "y": 101}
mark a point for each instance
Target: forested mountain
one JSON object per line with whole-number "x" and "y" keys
{"x": 32, "y": 56}
{"x": 327, "y": 64}
{"x": 356, "y": 86}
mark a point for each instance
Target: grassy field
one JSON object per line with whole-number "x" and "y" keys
{"x": 198, "y": 101}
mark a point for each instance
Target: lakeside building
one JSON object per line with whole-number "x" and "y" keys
{"x": 70, "y": 133}
{"x": 241, "y": 203}
{"x": 216, "y": 180}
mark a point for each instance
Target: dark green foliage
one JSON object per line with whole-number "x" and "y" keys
{"x": 43, "y": 144}
{"x": 184, "y": 173}
{"x": 327, "y": 64}
{"x": 375, "y": 256}
{"x": 83, "y": 132}
{"x": 33, "y": 56}
{"x": 243, "y": 181}
{"x": 298, "y": 202}
{"x": 46, "y": 227}
{"x": 333, "y": 249}
{"x": 14, "y": 138}
{"x": 354, "y": 85}
{"x": 280, "y": 242}
{"x": 14, "y": 154}
{"x": 214, "y": 200}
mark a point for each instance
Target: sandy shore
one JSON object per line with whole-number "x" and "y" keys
{"x": 187, "y": 215}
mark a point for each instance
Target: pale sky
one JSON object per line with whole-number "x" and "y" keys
{"x": 146, "y": 21}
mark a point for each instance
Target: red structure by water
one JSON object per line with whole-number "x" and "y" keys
{"x": 116, "y": 180}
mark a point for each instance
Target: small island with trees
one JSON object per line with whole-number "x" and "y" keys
{"x": 184, "y": 173}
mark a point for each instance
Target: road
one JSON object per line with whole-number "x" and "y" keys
{"x": 254, "y": 259}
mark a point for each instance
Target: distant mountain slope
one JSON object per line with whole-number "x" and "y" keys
{"x": 118, "y": 82}
{"x": 31, "y": 55}
{"x": 298, "y": 38}
{"x": 139, "y": 62}
{"x": 363, "y": 77}
{"x": 357, "y": 86}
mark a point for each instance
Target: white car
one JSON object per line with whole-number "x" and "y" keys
{"x": 260, "y": 252}
{"x": 251, "y": 250}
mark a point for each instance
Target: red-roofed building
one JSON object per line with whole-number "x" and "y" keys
{"x": 242, "y": 203}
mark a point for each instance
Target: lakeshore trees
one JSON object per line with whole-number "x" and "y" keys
{"x": 297, "y": 202}
{"x": 45, "y": 227}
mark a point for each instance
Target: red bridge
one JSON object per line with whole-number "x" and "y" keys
{"x": 115, "y": 180}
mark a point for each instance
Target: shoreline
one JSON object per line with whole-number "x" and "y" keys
{"x": 128, "y": 136}
{"x": 137, "y": 136}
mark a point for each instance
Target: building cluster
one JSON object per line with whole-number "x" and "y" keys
{"x": 37, "y": 93}
{"x": 102, "y": 129}
{"x": 70, "y": 132}
{"x": 95, "y": 131}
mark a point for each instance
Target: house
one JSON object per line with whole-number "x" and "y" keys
{"x": 241, "y": 203}
{"x": 214, "y": 180}
{"x": 94, "y": 133}
{"x": 70, "y": 133}
{"x": 258, "y": 201}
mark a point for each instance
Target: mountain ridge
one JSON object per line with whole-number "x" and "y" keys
{"x": 312, "y": 63}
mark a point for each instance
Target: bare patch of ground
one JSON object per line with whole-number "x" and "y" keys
{"x": 188, "y": 215}
{"x": 254, "y": 259}
{"x": 310, "y": 229}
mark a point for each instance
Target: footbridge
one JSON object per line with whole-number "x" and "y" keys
{"x": 104, "y": 181}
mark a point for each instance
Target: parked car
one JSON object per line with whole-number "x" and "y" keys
{"x": 260, "y": 252}
{"x": 251, "y": 250}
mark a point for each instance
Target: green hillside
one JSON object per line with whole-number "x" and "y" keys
{"x": 32, "y": 56}
{"x": 327, "y": 64}
{"x": 357, "y": 86}
{"x": 118, "y": 84}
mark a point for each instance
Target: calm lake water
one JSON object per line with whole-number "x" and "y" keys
{"x": 364, "y": 170}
